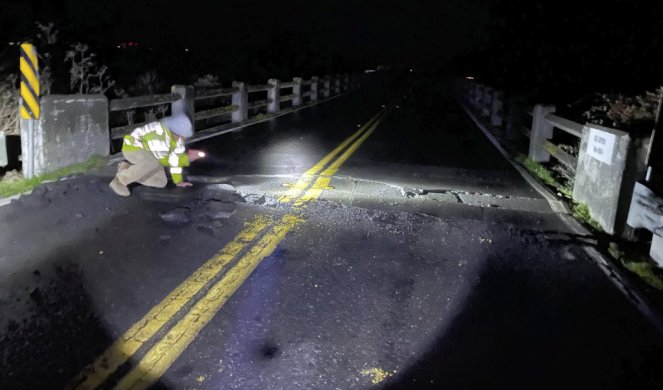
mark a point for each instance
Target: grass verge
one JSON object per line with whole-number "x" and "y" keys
{"x": 581, "y": 212}
{"x": 543, "y": 174}
{"x": 637, "y": 261}
{"x": 630, "y": 258}
{"x": 17, "y": 184}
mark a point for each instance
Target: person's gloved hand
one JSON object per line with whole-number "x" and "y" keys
{"x": 184, "y": 184}
{"x": 195, "y": 154}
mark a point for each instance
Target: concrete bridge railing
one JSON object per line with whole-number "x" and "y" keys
{"x": 609, "y": 161}
{"x": 216, "y": 111}
{"x": 72, "y": 128}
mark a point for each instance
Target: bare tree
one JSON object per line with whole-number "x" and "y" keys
{"x": 207, "y": 81}
{"x": 147, "y": 83}
{"x": 48, "y": 33}
{"x": 85, "y": 75}
{"x": 47, "y": 36}
{"x": 9, "y": 105}
{"x": 101, "y": 80}
{"x": 155, "y": 113}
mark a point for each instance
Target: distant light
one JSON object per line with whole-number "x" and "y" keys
{"x": 201, "y": 154}
{"x": 398, "y": 106}
{"x": 469, "y": 77}
{"x": 118, "y": 46}
{"x": 369, "y": 71}
{"x": 186, "y": 49}
{"x": 358, "y": 125}
{"x": 411, "y": 70}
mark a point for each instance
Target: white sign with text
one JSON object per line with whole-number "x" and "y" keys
{"x": 601, "y": 145}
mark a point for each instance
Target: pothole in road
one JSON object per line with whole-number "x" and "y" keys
{"x": 261, "y": 200}
{"x": 214, "y": 204}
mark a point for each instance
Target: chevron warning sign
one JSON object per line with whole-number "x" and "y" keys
{"x": 29, "y": 82}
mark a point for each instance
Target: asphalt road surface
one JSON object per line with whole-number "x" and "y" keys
{"x": 373, "y": 241}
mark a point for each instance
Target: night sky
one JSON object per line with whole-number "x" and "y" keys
{"x": 554, "y": 45}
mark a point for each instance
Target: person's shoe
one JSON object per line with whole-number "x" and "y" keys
{"x": 122, "y": 166}
{"x": 119, "y": 188}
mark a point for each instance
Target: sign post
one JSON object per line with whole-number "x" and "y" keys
{"x": 29, "y": 108}
{"x": 600, "y": 145}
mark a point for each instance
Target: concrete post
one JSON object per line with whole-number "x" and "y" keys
{"x": 240, "y": 98}
{"x": 469, "y": 90}
{"x": 3, "y": 150}
{"x": 337, "y": 85}
{"x": 28, "y": 129}
{"x": 314, "y": 88}
{"x": 609, "y": 162}
{"x": 185, "y": 104}
{"x": 273, "y": 96}
{"x": 487, "y": 101}
{"x": 541, "y": 130}
{"x": 478, "y": 96}
{"x": 516, "y": 109}
{"x": 71, "y": 129}
{"x": 326, "y": 92}
{"x": 646, "y": 211}
{"x": 297, "y": 92}
{"x": 497, "y": 109}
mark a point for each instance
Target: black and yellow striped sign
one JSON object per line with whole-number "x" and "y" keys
{"x": 29, "y": 82}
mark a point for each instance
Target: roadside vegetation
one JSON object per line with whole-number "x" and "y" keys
{"x": 544, "y": 174}
{"x": 13, "y": 182}
{"x": 632, "y": 256}
{"x": 636, "y": 259}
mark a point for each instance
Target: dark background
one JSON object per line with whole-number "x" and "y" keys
{"x": 552, "y": 49}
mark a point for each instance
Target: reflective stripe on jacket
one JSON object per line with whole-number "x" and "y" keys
{"x": 158, "y": 139}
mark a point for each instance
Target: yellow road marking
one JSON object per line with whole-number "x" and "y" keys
{"x": 164, "y": 353}
{"x": 127, "y": 344}
{"x": 303, "y": 182}
{"x": 143, "y": 330}
{"x": 323, "y": 181}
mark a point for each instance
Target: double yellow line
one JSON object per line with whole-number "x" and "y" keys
{"x": 255, "y": 242}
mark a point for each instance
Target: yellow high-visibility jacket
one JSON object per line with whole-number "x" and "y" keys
{"x": 155, "y": 137}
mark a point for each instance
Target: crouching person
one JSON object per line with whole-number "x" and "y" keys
{"x": 150, "y": 148}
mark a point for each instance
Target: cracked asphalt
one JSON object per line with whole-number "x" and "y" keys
{"x": 426, "y": 262}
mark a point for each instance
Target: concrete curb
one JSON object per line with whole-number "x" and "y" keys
{"x": 556, "y": 205}
{"x": 605, "y": 264}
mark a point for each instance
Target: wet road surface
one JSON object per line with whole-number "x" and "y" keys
{"x": 367, "y": 242}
